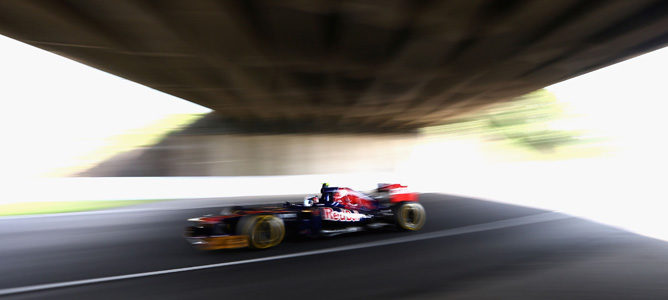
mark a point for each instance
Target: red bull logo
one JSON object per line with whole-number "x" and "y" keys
{"x": 344, "y": 215}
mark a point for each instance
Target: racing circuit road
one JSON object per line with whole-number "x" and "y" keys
{"x": 469, "y": 249}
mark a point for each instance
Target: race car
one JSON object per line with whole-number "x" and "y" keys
{"x": 336, "y": 211}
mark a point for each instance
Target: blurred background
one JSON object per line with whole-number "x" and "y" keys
{"x": 120, "y": 120}
{"x": 594, "y": 141}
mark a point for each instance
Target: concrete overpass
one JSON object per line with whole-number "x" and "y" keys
{"x": 306, "y": 87}
{"x": 386, "y": 65}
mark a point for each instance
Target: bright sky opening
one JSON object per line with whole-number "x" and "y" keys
{"x": 55, "y": 109}
{"x": 627, "y": 102}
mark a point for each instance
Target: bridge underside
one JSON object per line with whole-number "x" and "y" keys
{"x": 389, "y": 64}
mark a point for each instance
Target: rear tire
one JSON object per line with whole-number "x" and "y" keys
{"x": 263, "y": 231}
{"x": 410, "y": 216}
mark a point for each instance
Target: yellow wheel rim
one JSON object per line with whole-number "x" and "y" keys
{"x": 411, "y": 216}
{"x": 267, "y": 231}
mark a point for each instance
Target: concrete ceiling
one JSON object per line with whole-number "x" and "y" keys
{"x": 365, "y": 64}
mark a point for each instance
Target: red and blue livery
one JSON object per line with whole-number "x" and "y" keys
{"x": 336, "y": 210}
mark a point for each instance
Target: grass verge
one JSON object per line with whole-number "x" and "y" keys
{"x": 35, "y": 208}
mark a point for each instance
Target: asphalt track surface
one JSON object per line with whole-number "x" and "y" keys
{"x": 469, "y": 249}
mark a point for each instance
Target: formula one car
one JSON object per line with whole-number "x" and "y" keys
{"x": 336, "y": 211}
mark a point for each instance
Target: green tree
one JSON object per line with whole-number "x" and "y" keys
{"x": 526, "y": 121}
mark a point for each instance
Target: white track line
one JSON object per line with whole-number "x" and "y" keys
{"x": 539, "y": 218}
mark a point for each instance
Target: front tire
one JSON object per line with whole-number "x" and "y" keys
{"x": 263, "y": 231}
{"x": 410, "y": 216}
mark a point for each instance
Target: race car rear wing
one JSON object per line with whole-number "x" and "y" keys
{"x": 398, "y": 192}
